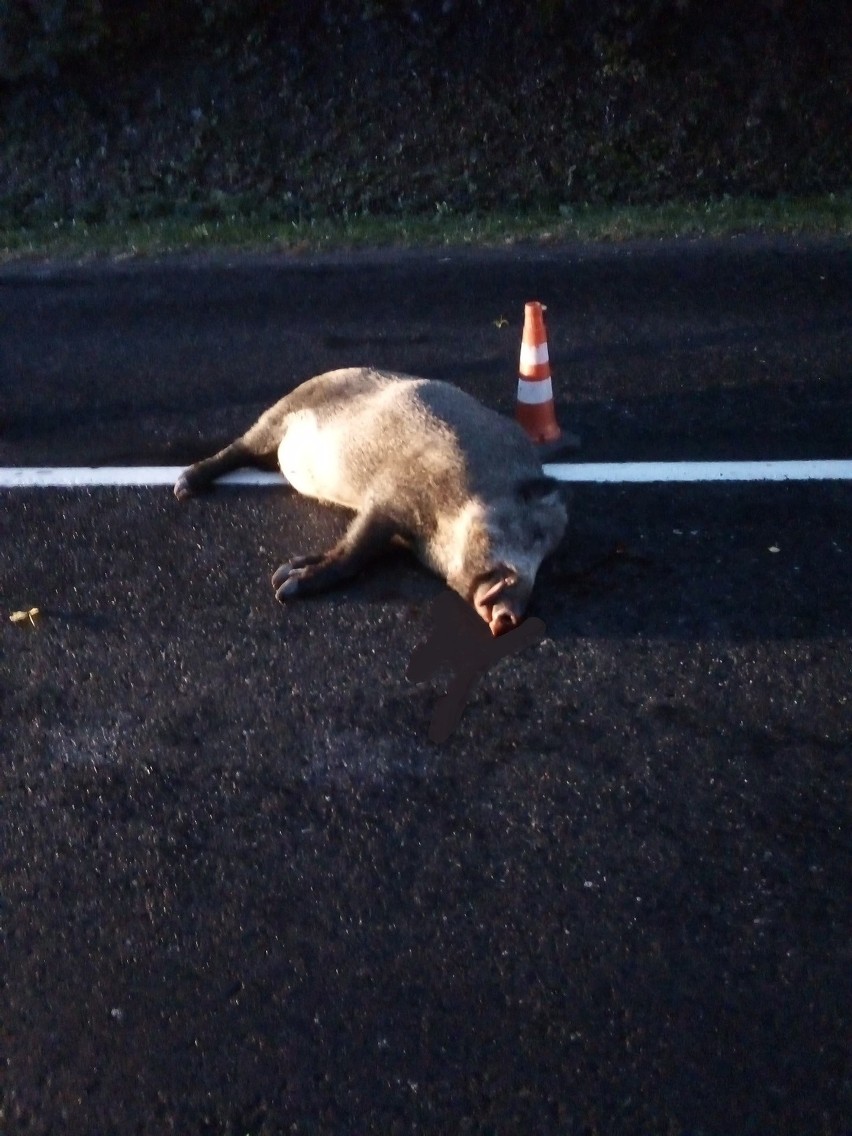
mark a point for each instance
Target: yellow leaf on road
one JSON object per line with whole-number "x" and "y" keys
{"x": 24, "y": 616}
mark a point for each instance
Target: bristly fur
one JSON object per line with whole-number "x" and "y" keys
{"x": 421, "y": 463}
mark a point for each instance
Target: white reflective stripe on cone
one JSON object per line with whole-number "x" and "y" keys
{"x": 536, "y": 392}
{"x": 532, "y": 356}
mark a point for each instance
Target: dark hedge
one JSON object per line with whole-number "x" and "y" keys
{"x": 110, "y": 108}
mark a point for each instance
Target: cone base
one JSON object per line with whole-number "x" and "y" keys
{"x": 539, "y": 422}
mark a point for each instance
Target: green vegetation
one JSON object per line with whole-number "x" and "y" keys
{"x": 828, "y": 216}
{"x": 254, "y": 124}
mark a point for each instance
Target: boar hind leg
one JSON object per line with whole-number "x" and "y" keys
{"x": 202, "y": 475}
{"x": 257, "y": 447}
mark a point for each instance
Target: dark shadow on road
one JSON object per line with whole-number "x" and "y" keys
{"x": 759, "y": 420}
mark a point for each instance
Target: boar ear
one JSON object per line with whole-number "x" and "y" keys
{"x": 539, "y": 488}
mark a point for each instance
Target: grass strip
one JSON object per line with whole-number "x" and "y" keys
{"x": 189, "y": 230}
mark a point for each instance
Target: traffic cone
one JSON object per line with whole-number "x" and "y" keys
{"x": 534, "y": 408}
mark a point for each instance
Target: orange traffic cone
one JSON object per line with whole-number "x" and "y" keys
{"x": 534, "y": 408}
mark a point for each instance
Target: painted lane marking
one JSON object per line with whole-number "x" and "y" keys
{"x": 81, "y": 477}
{"x": 75, "y": 477}
{"x": 648, "y": 472}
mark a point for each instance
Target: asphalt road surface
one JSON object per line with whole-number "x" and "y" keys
{"x": 242, "y": 892}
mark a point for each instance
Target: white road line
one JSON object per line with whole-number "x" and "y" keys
{"x": 74, "y": 477}
{"x": 140, "y": 476}
{"x": 636, "y": 472}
